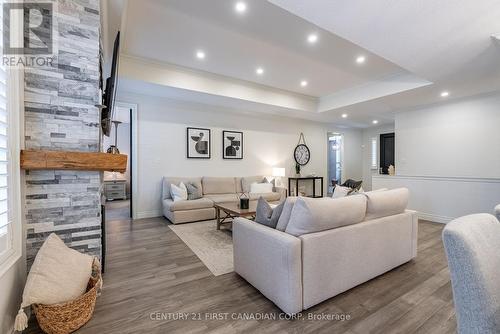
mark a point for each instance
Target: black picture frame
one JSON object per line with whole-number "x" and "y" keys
{"x": 191, "y": 144}
{"x": 229, "y": 149}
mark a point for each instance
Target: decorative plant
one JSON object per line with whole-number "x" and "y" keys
{"x": 297, "y": 169}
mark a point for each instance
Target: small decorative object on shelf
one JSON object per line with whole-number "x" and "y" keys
{"x": 244, "y": 201}
{"x": 113, "y": 149}
{"x": 391, "y": 170}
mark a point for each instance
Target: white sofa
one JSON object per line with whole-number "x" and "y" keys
{"x": 298, "y": 272}
{"x": 214, "y": 190}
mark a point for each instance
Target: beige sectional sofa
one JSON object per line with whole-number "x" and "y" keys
{"x": 298, "y": 272}
{"x": 214, "y": 190}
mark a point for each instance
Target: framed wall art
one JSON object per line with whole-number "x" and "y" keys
{"x": 198, "y": 142}
{"x": 232, "y": 145}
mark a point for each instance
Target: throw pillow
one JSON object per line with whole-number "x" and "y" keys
{"x": 59, "y": 274}
{"x": 376, "y": 190}
{"x": 285, "y": 214}
{"x": 361, "y": 190}
{"x": 261, "y": 188}
{"x": 386, "y": 203}
{"x": 352, "y": 184}
{"x": 192, "y": 191}
{"x": 266, "y": 215}
{"x": 311, "y": 215}
{"x": 178, "y": 193}
{"x": 341, "y": 191}
{"x": 270, "y": 180}
{"x": 247, "y": 181}
{"x": 356, "y": 191}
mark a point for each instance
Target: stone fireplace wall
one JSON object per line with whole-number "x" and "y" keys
{"x": 60, "y": 115}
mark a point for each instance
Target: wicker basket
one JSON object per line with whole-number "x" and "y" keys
{"x": 68, "y": 317}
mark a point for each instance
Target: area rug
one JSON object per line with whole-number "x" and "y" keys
{"x": 213, "y": 247}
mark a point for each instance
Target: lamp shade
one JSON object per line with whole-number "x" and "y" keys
{"x": 278, "y": 171}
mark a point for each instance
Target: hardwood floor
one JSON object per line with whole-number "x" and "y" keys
{"x": 151, "y": 273}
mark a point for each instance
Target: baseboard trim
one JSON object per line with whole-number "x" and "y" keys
{"x": 439, "y": 178}
{"x": 149, "y": 214}
{"x": 434, "y": 218}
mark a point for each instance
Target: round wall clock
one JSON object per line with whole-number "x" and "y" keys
{"x": 302, "y": 154}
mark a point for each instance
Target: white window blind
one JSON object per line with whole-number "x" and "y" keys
{"x": 5, "y": 220}
{"x": 373, "y": 155}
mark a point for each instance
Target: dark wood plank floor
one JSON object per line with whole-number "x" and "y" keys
{"x": 151, "y": 273}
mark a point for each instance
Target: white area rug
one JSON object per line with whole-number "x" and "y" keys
{"x": 214, "y": 248}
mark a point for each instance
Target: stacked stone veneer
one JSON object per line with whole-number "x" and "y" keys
{"x": 60, "y": 114}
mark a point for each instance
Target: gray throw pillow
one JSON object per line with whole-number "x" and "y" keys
{"x": 266, "y": 215}
{"x": 285, "y": 215}
{"x": 193, "y": 191}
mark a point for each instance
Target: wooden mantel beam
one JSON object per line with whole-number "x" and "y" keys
{"x": 91, "y": 161}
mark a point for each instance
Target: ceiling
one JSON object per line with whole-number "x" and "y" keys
{"x": 438, "y": 40}
{"x": 413, "y": 49}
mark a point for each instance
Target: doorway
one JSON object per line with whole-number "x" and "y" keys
{"x": 119, "y": 188}
{"x": 386, "y": 152}
{"x": 335, "y": 160}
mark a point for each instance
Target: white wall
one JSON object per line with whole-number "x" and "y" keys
{"x": 448, "y": 155}
{"x": 11, "y": 289}
{"x": 459, "y": 139}
{"x": 368, "y": 134}
{"x": 268, "y": 141}
{"x": 441, "y": 199}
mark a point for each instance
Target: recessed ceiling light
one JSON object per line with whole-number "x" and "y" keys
{"x": 259, "y": 71}
{"x": 240, "y": 7}
{"x": 344, "y": 115}
{"x": 445, "y": 94}
{"x": 200, "y": 54}
{"x": 375, "y": 121}
{"x": 303, "y": 83}
{"x": 312, "y": 38}
{"x": 360, "y": 59}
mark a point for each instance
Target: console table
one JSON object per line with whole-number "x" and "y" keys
{"x": 307, "y": 178}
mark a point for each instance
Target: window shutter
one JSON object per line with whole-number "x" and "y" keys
{"x": 373, "y": 155}
{"x": 5, "y": 228}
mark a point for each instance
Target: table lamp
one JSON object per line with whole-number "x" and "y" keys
{"x": 278, "y": 173}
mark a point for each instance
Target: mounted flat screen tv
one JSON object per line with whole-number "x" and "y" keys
{"x": 110, "y": 90}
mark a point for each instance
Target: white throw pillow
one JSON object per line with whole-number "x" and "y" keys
{"x": 59, "y": 274}
{"x": 376, "y": 190}
{"x": 261, "y": 188}
{"x": 386, "y": 203}
{"x": 179, "y": 193}
{"x": 340, "y": 191}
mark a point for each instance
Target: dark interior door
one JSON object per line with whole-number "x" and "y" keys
{"x": 386, "y": 152}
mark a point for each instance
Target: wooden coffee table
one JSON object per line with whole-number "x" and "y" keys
{"x": 232, "y": 210}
